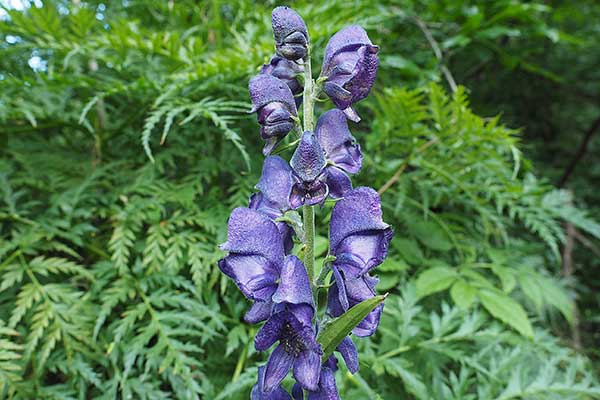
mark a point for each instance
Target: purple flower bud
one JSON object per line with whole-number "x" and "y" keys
{"x": 308, "y": 163}
{"x": 276, "y": 107}
{"x": 290, "y": 33}
{"x": 286, "y": 71}
{"x": 349, "y": 66}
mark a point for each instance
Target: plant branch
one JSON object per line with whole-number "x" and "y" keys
{"x": 580, "y": 152}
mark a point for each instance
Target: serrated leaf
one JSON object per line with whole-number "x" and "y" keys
{"x": 334, "y": 332}
{"x": 502, "y": 307}
{"x": 435, "y": 280}
{"x": 463, "y": 294}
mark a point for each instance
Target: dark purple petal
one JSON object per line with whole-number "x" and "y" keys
{"x": 359, "y": 211}
{"x": 300, "y": 317}
{"x": 290, "y": 33}
{"x": 260, "y": 311}
{"x": 337, "y": 142}
{"x": 253, "y": 233}
{"x": 350, "y": 65}
{"x": 327, "y": 388}
{"x": 277, "y": 368}
{"x": 337, "y": 181}
{"x": 294, "y": 285}
{"x": 370, "y": 247}
{"x": 270, "y": 332}
{"x": 308, "y": 160}
{"x": 286, "y": 71}
{"x": 297, "y": 392}
{"x": 348, "y": 351}
{"x": 338, "y": 290}
{"x": 265, "y": 89}
{"x": 254, "y": 275}
{"x": 368, "y": 326}
{"x": 258, "y": 392}
{"x": 276, "y": 183}
{"x": 306, "y": 369}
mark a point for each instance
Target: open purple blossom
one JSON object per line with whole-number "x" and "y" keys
{"x": 274, "y": 102}
{"x": 290, "y": 33}
{"x": 287, "y": 71}
{"x": 359, "y": 240}
{"x": 349, "y": 68}
{"x": 342, "y": 153}
{"x": 273, "y": 198}
{"x": 291, "y": 325}
{"x": 255, "y": 257}
{"x": 308, "y": 163}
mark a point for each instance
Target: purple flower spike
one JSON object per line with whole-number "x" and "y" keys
{"x": 290, "y": 33}
{"x": 275, "y": 187}
{"x": 276, "y": 107}
{"x": 258, "y": 392}
{"x": 286, "y": 71}
{"x": 291, "y": 325}
{"x": 308, "y": 163}
{"x": 349, "y": 66}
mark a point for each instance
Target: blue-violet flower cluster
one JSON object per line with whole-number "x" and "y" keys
{"x": 260, "y": 241}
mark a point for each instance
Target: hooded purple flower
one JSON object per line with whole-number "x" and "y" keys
{"x": 255, "y": 257}
{"x": 342, "y": 153}
{"x": 349, "y": 66}
{"x": 359, "y": 240}
{"x": 308, "y": 163}
{"x": 291, "y": 325}
{"x": 273, "y": 199}
{"x": 259, "y": 393}
{"x": 276, "y": 107}
{"x": 286, "y": 71}
{"x": 290, "y": 33}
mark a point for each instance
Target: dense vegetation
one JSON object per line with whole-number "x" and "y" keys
{"x": 125, "y": 141}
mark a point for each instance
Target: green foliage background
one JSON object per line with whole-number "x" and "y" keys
{"x": 125, "y": 142}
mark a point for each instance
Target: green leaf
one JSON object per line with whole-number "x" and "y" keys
{"x": 435, "y": 280}
{"x": 335, "y": 331}
{"x": 506, "y": 310}
{"x": 463, "y": 294}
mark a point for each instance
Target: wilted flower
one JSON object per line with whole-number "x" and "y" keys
{"x": 255, "y": 257}
{"x": 342, "y": 153}
{"x": 291, "y": 325}
{"x": 359, "y": 240}
{"x": 308, "y": 163}
{"x": 286, "y": 71}
{"x": 290, "y": 33}
{"x": 274, "y": 102}
{"x": 273, "y": 198}
{"x": 349, "y": 68}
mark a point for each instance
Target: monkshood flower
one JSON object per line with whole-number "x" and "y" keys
{"x": 349, "y": 68}
{"x": 273, "y": 198}
{"x": 342, "y": 152}
{"x": 255, "y": 259}
{"x": 291, "y": 325}
{"x": 274, "y": 102}
{"x": 290, "y": 33}
{"x": 286, "y": 71}
{"x": 308, "y": 163}
{"x": 359, "y": 240}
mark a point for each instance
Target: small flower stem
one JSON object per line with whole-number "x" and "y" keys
{"x": 308, "y": 213}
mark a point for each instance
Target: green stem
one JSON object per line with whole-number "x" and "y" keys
{"x": 308, "y": 96}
